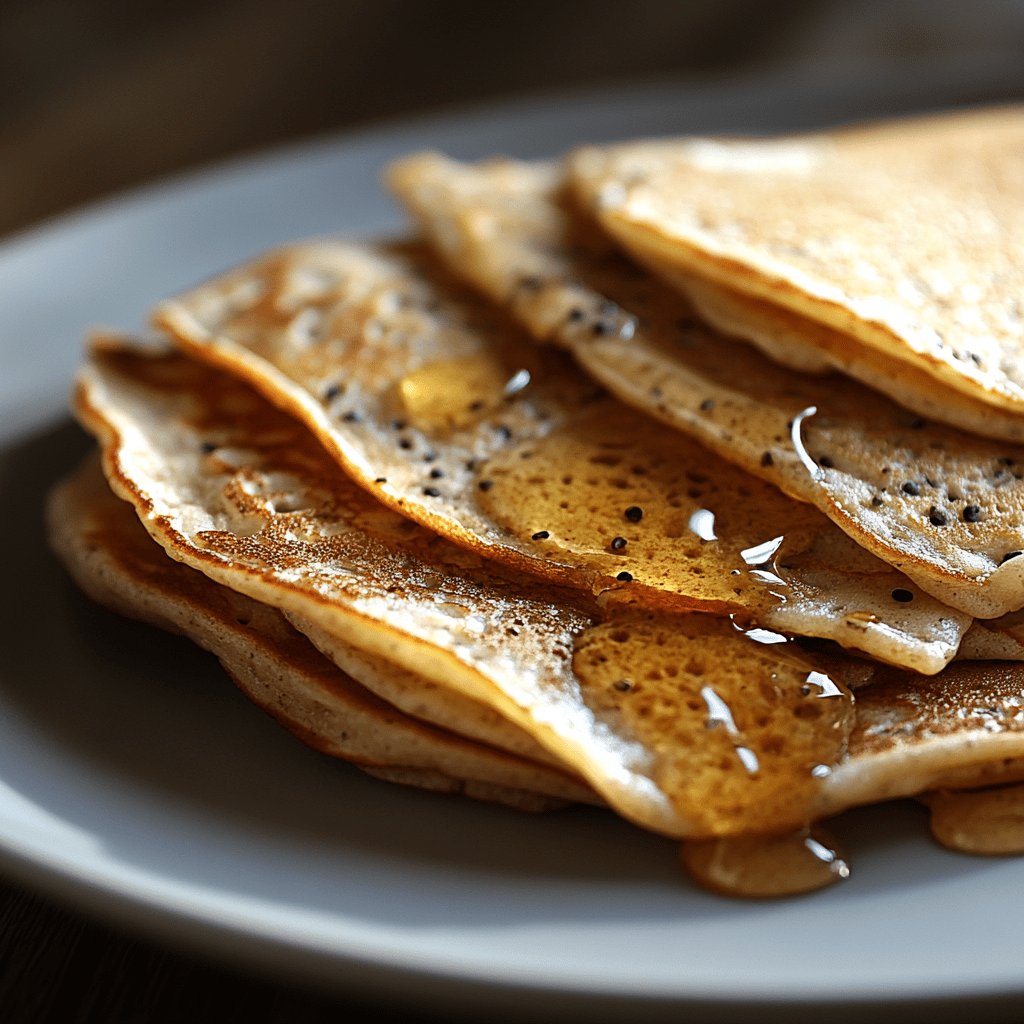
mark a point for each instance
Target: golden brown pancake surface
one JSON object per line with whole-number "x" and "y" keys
{"x": 636, "y": 703}
{"x": 944, "y": 507}
{"x": 685, "y": 724}
{"x": 109, "y": 554}
{"x": 411, "y": 383}
{"x": 904, "y": 235}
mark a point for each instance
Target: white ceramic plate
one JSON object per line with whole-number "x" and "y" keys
{"x": 135, "y": 781}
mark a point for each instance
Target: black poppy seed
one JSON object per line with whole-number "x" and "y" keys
{"x": 707, "y": 405}
{"x": 618, "y": 543}
{"x": 929, "y": 481}
{"x": 208, "y": 447}
{"x": 380, "y": 480}
{"x": 826, "y": 462}
{"x": 886, "y": 469}
{"x": 625, "y": 577}
{"x": 656, "y": 392}
{"x": 431, "y": 492}
{"x": 485, "y": 485}
{"x": 972, "y": 514}
{"x": 436, "y": 474}
{"x": 937, "y": 517}
{"x": 623, "y": 685}
{"x": 1009, "y": 555}
{"x": 471, "y": 464}
{"x": 901, "y": 595}
{"x": 541, "y": 535}
{"x": 767, "y": 460}
{"x": 634, "y": 513}
{"x": 398, "y": 424}
{"x": 503, "y": 432}
{"x": 599, "y": 328}
{"x": 513, "y": 631}
{"x": 574, "y": 315}
{"x": 405, "y": 443}
{"x": 351, "y": 417}
{"x": 476, "y": 405}
{"x": 332, "y": 392}
{"x": 876, "y": 501}
{"x": 430, "y": 457}
{"x": 911, "y": 488}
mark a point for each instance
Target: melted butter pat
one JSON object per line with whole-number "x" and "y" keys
{"x": 984, "y": 821}
{"x": 762, "y": 867}
{"x": 453, "y": 393}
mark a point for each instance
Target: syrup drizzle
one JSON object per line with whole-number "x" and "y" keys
{"x": 738, "y": 734}
{"x": 763, "y": 867}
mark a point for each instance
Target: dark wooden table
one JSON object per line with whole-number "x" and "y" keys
{"x": 99, "y": 96}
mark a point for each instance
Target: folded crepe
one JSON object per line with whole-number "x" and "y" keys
{"x": 683, "y": 723}
{"x": 944, "y": 507}
{"x": 438, "y": 405}
{"x": 110, "y": 556}
{"x": 892, "y": 251}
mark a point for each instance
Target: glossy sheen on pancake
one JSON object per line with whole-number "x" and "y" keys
{"x": 640, "y": 705}
{"x": 944, "y": 507}
{"x": 906, "y": 236}
{"x": 110, "y": 556}
{"x": 404, "y": 377}
{"x": 685, "y": 724}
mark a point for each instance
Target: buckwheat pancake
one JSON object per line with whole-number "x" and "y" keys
{"x": 422, "y": 698}
{"x": 683, "y": 723}
{"x": 944, "y": 507}
{"x": 267, "y": 512}
{"x": 811, "y": 347}
{"x": 440, "y": 407}
{"x": 913, "y": 733}
{"x": 904, "y": 236}
{"x": 110, "y": 556}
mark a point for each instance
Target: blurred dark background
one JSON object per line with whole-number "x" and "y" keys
{"x": 97, "y": 95}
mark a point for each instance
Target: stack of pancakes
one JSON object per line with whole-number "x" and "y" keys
{"x": 684, "y": 477}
